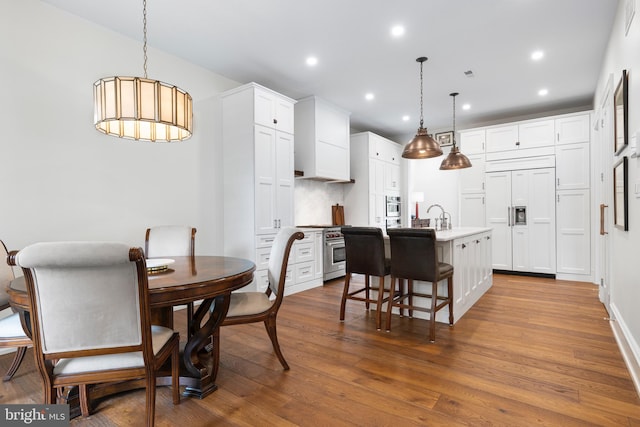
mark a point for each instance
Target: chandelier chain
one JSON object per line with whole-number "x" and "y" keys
{"x": 144, "y": 34}
{"x": 421, "y": 98}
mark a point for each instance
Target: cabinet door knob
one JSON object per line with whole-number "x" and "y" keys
{"x": 275, "y": 121}
{"x": 464, "y": 246}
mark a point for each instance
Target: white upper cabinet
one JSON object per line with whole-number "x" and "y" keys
{"x": 573, "y": 129}
{"x": 472, "y": 142}
{"x": 322, "y": 140}
{"x": 271, "y": 110}
{"x": 572, "y": 166}
{"x": 533, "y": 134}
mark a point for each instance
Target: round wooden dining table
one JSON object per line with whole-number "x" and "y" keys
{"x": 209, "y": 279}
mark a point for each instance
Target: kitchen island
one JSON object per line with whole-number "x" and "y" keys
{"x": 468, "y": 249}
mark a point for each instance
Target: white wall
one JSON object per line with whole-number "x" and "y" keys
{"x": 622, "y": 53}
{"x": 61, "y": 178}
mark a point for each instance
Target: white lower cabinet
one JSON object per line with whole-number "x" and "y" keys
{"x": 304, "y": 270}
{"x": 573, "y": 237}
{"x": 521, "y": 210}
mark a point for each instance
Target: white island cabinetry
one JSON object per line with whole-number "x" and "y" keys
{"x": 468, "y": 249}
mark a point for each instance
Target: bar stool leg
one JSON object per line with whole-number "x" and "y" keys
{"x": 345, "y": 292}
{"x": 450, "y": 293}
{"x": 432, "y": 320}
{"x": 366, "y": 292}
{"x": 390, "y": 303}
{"x": 379, "y": 307}
{"x": 410, "y": 295}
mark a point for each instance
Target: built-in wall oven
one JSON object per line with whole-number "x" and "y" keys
{"x": 393, "y": 217}
{"x": 335, "y": 255}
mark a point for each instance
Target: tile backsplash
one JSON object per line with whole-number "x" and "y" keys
{"x": 313, "y": 201}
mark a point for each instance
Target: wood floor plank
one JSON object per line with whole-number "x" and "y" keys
{"x": 532, "y": 351}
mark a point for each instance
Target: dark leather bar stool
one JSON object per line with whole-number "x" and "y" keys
{"x": 365, "y": 255}
{"x": 414, "y": 257}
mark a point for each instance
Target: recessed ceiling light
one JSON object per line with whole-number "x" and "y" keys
{"x": 397, "y": 31}
{"x": 369, "y": 96}
{"x": 537, "y": 55}
{"x": 312, "y": 60}
{"x": 543, "y": 92}
{"x": 466, "y": 106}
{"x": 405, "y": 118}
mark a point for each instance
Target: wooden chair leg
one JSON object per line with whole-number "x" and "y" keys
{"x": 85, "y": 407}
{"x": 15, "y": 364}
{"x": 345, "y": 292}
{"x": 151, "y": 399}
{"x": 390, "y": 303}
{"x": 175, "y": 374}
{"x": 270, "y": 325}
{"x": 450, "y": 294}
{"x": 432, "y": 315}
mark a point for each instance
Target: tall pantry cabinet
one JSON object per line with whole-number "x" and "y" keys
{"x": 375, "y": 168}
{"x": 573, "y": 196}
{"x": 257, "y": 147}
{"x": 472, "y": 180}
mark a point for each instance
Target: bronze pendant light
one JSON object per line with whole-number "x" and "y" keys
{"x": 422, "y": 146}
{"x": 455, "y": 159}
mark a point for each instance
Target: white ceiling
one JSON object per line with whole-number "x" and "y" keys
{"x": 267, "y": 41}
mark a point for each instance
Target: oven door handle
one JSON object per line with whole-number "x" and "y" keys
{"x": 334, "y": 244}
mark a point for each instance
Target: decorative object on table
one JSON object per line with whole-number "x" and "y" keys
{"x": 418, "y": 197}
{"x": 337, "y": 214}
{"x": 11, "y": 331}
{"x": 158, "y": 265}
{"x": 422, "y": 146}
{"x": 252, "y": 307}
{"x": 620, "y": 191}
{"x": 455, "y": 159}
{"x": 102, "y": 286}
{"x": 621, "y": 114}
{"x": 142, "y": 109}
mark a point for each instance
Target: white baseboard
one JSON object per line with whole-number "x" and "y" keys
{"x": 628, "y": 346}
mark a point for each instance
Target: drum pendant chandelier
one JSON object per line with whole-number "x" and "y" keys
{"x": 142, "y": 109}
{"x": 422, "y": 146}
{"x": 455, "y": 159}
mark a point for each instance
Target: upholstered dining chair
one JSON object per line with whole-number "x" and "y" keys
{"x": 164, "y": 241}
{"x": 89, "y": 305}
{"x": 251, "y": 307}
{"x": 11, "y": 330}
{"x": 414, "y": 257}
{"x": 365, "y": 255}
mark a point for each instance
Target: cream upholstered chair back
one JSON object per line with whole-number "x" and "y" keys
{"x": 6, "y": 275}
{"x": 86, "y": 295}
{"x": 279, "y": 259}
{"x": 170, "y": 240}
{"x": 89, "y": 305}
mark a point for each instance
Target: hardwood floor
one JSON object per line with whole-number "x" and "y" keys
{"x": 531, "y": 352}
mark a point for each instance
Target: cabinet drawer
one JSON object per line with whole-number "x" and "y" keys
{"x": 265, "y": 240}
{"x": 303, "y": 251}
{"x": 262, "y": 258}
{"x": 261, "y": 279}
{"x": 304, "y": 272}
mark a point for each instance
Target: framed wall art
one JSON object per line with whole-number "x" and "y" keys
{"x": 445, "y": 138}
{"x": 620, "y": 191}
{"x": 621, "y": 114}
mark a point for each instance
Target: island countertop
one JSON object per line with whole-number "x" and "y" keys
{"x": 456, "y": 233}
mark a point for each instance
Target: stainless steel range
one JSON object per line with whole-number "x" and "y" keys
{"x": 335, "y": 255}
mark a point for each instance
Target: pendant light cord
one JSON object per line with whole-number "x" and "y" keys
{"x": 421, "y": 97}
{"x": 144, "y": 34}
